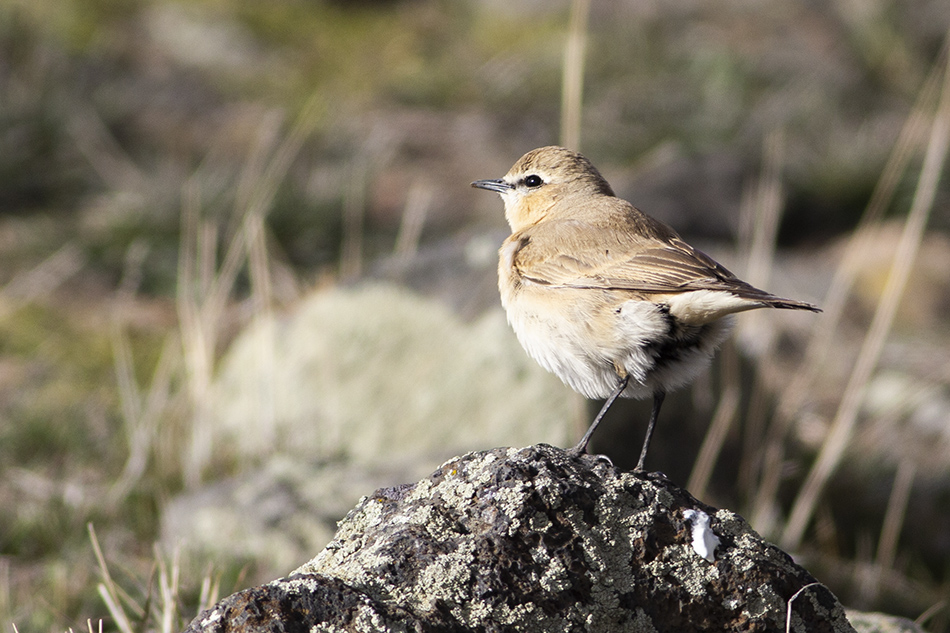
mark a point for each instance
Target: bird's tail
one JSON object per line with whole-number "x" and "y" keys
{"x": 766, "y": 299}
{"x": 789, "y": 304}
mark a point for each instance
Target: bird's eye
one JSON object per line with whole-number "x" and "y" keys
{"x": 533, "y": 181}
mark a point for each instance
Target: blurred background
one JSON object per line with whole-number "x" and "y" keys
{"x": 245, "y": 281}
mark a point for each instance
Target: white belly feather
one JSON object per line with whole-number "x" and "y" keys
{"x": 582, "y": 337}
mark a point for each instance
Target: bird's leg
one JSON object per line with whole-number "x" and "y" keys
{"x": 581, "y": 447}
{"x": 657, "y": 403}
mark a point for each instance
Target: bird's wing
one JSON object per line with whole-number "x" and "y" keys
{"x": 589, "y": 256}
{"x": 663, "y": 267}
{"x": 577, "y": 254}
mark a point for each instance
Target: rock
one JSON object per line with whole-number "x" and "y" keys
{"x": 366, "y": 372}
{"x": 534, "y": 539}
{"x": 881, "y": 623}
{"x": 273, "y": 516}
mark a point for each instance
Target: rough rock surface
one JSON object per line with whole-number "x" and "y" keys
{"x": 534, "y": 539}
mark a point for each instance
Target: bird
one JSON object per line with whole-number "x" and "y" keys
{"x": 612, "y": 301}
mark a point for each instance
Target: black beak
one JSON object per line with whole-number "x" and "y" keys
{"x": 498, "y": 186}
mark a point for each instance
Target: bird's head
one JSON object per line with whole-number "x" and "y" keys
{"x": 541, "y": 179}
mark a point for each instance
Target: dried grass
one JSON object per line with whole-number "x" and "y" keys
{"x": 845, "y": 419}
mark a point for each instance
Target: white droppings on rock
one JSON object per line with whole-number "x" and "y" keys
{"x": 705, "y": 541}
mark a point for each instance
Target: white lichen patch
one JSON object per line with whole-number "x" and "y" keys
{"x": 555, "y": 578}
{"x": 369, "y": 515}
{"x": 682, "y": 566}
{"x": 763, "y": 603}
{"x": 745, "y": 555}
{"x": 599, "y": 620}
{"x": 422, "y": 514}
{"x": 506, "y": 616}
{"x": 421, "y": 490}
{"x": 732, "y": 524}
{"x": 510, "y": 501}
{"x": 299, "y": 585}
{"x": 618, "y": 510}
{"x": 474, "y": 463}
{"x": 459, "y": 493}
{"x": 325, "y": 627}
{"x": 368, "y": 620}
{"x": 212, "y": 617}
{"x": 445, "y": 579}
{"x": 607, "y": 554}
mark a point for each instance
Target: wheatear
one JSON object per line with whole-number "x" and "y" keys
{"x": 610, "y": 300}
